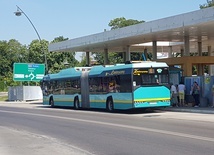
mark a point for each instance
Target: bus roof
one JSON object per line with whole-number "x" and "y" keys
{"x": 65, "y": 73}
{"x": 96, "y": 70}
{"x": 140, "y": 64}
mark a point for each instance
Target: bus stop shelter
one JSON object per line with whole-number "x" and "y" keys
{"x": 194, "y": 30}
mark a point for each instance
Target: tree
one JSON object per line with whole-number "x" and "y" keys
{"x": 57, "y": 60}
{"x": 59, "y": 39}
{"x": 122, "y": 22}
{"x": 210, "y": 3}
{"x": 4, "y": 61}
{"x": 10, "y": 52}
{"x": 37, "y": 51}
{"x": 13, "y": 52}
{"x": 113, "y": 57}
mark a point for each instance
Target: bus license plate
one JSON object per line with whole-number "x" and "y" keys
{"x": 153, "y": 102}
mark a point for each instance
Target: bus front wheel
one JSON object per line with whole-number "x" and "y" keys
{"x": 76, "y": 103}
{"x": 110, "y": 105}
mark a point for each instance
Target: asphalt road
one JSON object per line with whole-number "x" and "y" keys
{"x": 38, "y": 129}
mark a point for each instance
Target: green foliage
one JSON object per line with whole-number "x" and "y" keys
{"x": 3, "y": 98}
{"x": 13, "y": 52}
{"x": 82, "y": 63}
{"x": 59, "y": 39}
{"x": 136, "y": 56}
{"x": 2, "y": 86}
{"x": 60, "y": 60}
{"x": 99, "y": 57}
{"x": 10, "y": 52}
{"x": 210, "y": 3}
{"x": 113, "y": 57}
{"x": 122, "y": 22}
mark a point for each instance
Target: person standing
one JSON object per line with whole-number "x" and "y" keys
{"x": 176, "y": 86}
{"x": 181, "y": 92}
{"x": 196, "y": 93}
{"x": 174, "y": 98}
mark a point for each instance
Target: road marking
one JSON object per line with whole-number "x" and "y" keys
{"x": 119, "y": 125}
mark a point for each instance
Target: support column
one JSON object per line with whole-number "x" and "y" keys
{"x": 170, "y": 52}
{"x": 187, "y": 67}
{"x": 199, "y": 49}
{"x": 154, "y": 50}
{"x": 106, "y": 61}
{"x": 209, "y": 51}
{"x": 124, "y": 54}
{"x": 128, "y": 55}
{"x": 186, "y": 46}
{"x": 87, "y": 54}
{"x": 200, "y": 67}
{"x": 182, "y": 52}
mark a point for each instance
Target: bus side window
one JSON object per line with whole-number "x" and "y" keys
{"x": 67, "y": 86}
{"x": 56, "y": 87}
{"x": 75, "y": 86}
{"x": 125, "y": 83}
{"x": 114, "y": 84}
{"x": 95, "y": 85}
{"x": 62, "y": 87}
{"x": 51, "y": 87}
{"x": 44, "y": 87}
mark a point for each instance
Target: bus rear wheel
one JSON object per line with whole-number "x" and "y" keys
{"x": 110, "y": 105}
{"x": 52, "y": 102}
{"x": 76, "y": 103}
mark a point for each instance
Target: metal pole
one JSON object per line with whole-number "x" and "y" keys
{"x": 18, "y": 13}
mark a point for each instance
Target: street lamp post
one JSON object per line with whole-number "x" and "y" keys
{"x": 19, "y": 12}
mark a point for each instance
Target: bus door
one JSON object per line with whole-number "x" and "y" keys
{"x": 85, "y": 90}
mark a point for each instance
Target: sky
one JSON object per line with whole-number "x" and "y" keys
{"x": 76, "y": 18}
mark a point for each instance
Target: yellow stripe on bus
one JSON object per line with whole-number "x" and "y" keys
{"x": 115, "y": 101}
{"x": 151, "y": 99}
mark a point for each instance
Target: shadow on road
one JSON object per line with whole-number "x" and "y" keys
{"x": 130, "y": 112}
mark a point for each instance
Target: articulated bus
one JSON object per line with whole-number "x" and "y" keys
{"x": 121, "y": 86}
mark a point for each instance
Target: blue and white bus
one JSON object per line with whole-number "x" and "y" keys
{"x": 121, "y": 86}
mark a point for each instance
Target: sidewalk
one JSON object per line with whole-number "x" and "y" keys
{"x": 203, "y": 110}
{"x": 22, "y": 104}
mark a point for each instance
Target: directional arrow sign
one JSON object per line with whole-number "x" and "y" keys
{"x": 28, "y": 72}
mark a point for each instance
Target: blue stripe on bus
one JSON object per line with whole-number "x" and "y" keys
{"x": 60, "y": 100}
{"x": 121, "y": 100}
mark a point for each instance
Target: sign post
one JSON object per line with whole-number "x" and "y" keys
{"x": 28, "y": 72}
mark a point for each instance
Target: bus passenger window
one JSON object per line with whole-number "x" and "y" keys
{"x": 114, "y": 87}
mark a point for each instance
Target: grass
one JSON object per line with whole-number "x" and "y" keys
{"x": 3, "y": 98}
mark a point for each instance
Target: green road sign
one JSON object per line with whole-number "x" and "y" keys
{"x": 28, "y": 72}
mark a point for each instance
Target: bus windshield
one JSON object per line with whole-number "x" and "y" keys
{"x": 154, "y": 76}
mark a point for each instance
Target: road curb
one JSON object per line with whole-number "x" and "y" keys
{"x": 191, "y": 110}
